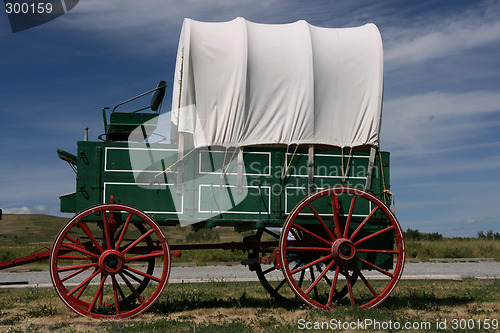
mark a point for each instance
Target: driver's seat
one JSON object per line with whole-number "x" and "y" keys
{"x": 122, "y": 124}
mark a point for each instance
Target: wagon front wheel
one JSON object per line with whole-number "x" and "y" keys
{"x": 265, "y": 271}
{"x": 110, "y": 261}
{"x": 340, "y": 233}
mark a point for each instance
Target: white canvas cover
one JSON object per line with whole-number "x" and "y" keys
{"x": 240, "y": 83}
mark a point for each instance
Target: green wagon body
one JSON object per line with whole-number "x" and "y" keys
{"x": 106, "y": 169}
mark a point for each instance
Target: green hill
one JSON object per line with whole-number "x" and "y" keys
{"x": 21, "y": 234}
{"x": 38, "y": 229}
{"x": 27, "y": 229}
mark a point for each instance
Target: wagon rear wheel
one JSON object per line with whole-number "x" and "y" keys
{"x": 340, "y": 232}
{"x": 102, "y": 263}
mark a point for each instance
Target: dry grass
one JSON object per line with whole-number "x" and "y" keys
{"x": 245, "y": 307}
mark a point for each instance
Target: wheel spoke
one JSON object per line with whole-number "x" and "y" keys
{"x": 153, "y": 254}
{"x": 330, "y": 256}
{"x": 336, "y": 217}
{"x": 85, "y": 282}
{"x": 98, "y": 293}
{"x": 122, "y": 234}
{"x": 132, "y": 276}
{"x": 302, "y": 248}
{"x": 356, "y": 269}
{"x": 120, "y": 291}
{"x": 349, "y": 217}
{"x": 73, "y": 257}
{"x": 132, "y": 289}
{"x": 80, "y": 293}
{"x": 101, "y": 295}
{"x": 278, "y": 287}
{"x": 269, "y": 270}
{"x": 323, "y": 225}
{"x": 301, "y": 279}
{"x": 69, "y": 276}
{"x": 325, "y": 277}
{"x": 71, "y": 268}
{"x": 349, "y": 287}
{"x": 358, "y": 229}
{"x": 143, "y": 274}
{"x": 71, "y": 239}
{"x": 275, "y": 235}
{"x": 315, "y": 282}
{"x": 115, "y": 294}
{"x": 321, "y": 239}
{"x": 374, "y": 235}
{"x": 137, "y": 241}
{"x": 375, "y": 267}
{"x": 79, "y": 249}
{"x": 87, "y": 231}
{"x": 311, "y": 271}
{"x": 334, "y": 284}
{"x": 106, "y": 229}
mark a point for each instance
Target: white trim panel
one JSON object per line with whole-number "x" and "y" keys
{"x": 233, "y": 212}
{"x": 326, "y": 155}
{"x": 135, "y": 171}
{"x": 146, "y": 184}
{"x": 229, "y": 157}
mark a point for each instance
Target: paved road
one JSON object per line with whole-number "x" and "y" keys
{"x": 456, "y": 270}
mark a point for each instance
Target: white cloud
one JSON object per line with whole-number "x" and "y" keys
{"x": 439, "y": 103}
{"x": 428, "y": 167}
{"x": 38, "y": 209}
{"x": 153, "y": 26}
{"x": 441, "y": 34}
{"x": 20, "y": 210}
{"x": 453, "y": 39}
{"x": 435, "y": 121}
{"x": 469, "y": 221}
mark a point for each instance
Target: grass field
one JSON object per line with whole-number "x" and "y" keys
{"x": 453, "y": 248}
{"x": 246, "y": 307}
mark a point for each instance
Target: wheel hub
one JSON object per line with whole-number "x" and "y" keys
{"x": 111, "y": 261}
{"x": 343, "y": 249}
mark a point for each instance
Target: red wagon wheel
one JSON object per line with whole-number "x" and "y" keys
{"x": 103, "y": 260}
{"x": 337, "y": 242}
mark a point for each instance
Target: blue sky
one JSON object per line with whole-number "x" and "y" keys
{"x": 441, "y": 115}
